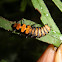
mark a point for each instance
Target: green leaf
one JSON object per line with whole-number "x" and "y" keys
{"x": 45, "y": 15}
{"x": 5, "y": 24}
{"x": 53, "y": 37}
{"x": 58, "y": 4}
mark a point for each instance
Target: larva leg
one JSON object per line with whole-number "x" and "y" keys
{"x": 33, "y": 25}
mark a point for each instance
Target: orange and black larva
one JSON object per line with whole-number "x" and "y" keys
{"x": 33, "y": 31}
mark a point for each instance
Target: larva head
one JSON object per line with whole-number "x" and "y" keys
{"x": 15, "y": 25}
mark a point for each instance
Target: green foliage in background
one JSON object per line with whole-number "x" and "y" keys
{"x": 24, "y": 4}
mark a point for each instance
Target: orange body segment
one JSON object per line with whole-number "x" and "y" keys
{"x": 18, "y": 26}
{"x": 39, "y": 32}
{"x": 36, "y": 32}
{"x": 15, "y": 25}
{"x": 33, "y": 31}
{"x": 23, "y": 28}
{"x": 27, "y": 29}
{"x": 42, "y": 31}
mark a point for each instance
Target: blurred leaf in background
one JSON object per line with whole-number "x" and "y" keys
{"x": 23, "y": 5}
{"x": 3, "y": 60}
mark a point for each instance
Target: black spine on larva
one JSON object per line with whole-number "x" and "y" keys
{"x": 44, "y": 31}
{"x": 32, "y": 35}
{"x": 38, "y": 32}
{"x": 47, "y": 29}
{"x": 34, "y": 31}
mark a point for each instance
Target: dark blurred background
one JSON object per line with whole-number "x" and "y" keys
{"x": 15, "y": 48}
